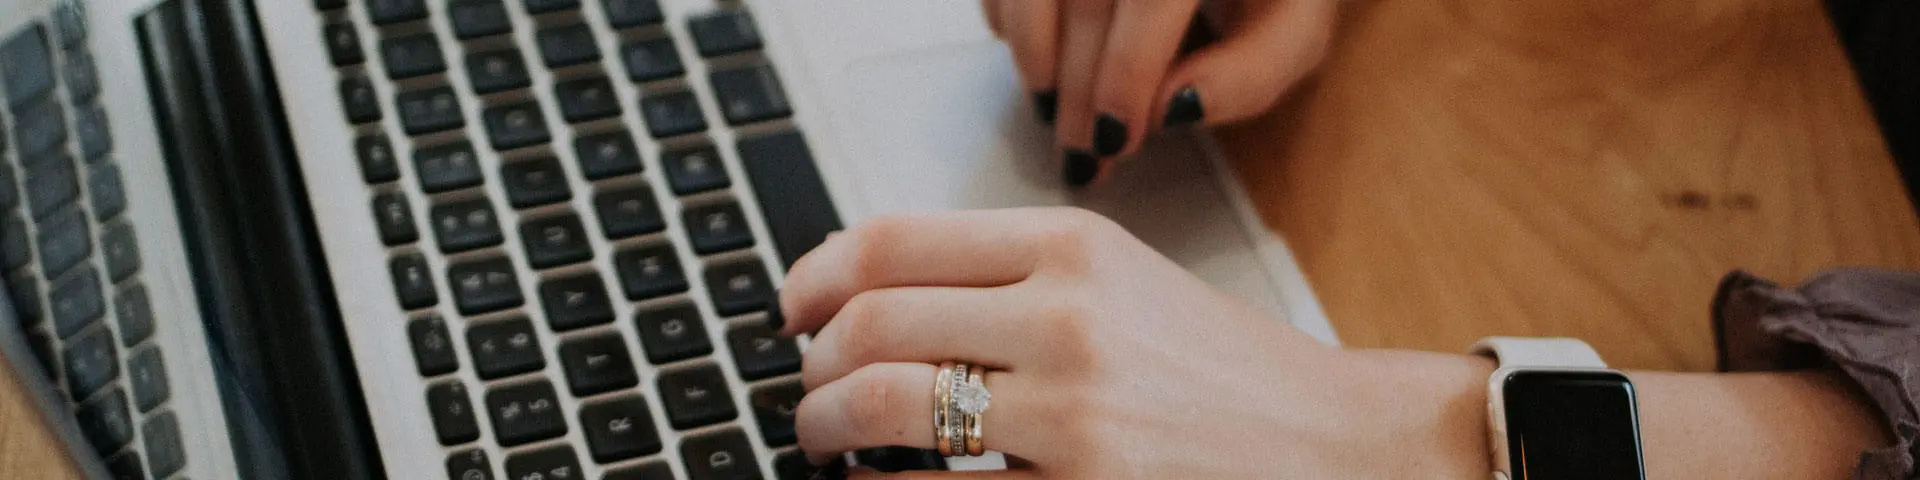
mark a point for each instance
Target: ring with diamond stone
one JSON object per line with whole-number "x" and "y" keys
{"x": 943, "y": 408}
{"x": 956, "y": 426}
{"x": 972, "y": 400}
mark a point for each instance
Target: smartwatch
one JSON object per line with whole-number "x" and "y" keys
{"x": 1555, "y": 412}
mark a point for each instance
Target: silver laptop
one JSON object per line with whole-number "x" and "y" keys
{"x": 498, "y": 239}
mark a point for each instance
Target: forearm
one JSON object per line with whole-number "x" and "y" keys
{"x": 1809, "y": 424}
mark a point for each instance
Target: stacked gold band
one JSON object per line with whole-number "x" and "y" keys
{"x": 956, "y": 430}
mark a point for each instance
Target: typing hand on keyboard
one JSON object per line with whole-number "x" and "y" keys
{"x": 1104, "y": 359}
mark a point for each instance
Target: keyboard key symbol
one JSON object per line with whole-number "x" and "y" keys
{"x": 620, "y": 425}
{"x": 719, "y": 460}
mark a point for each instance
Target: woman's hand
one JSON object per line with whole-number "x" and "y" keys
{"x": 1111, "y": 71}
{"x": 1107, "y": 360}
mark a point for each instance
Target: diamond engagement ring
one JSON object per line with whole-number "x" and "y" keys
{"x": 971, "y": 399}
{"x": 960, "y": 397}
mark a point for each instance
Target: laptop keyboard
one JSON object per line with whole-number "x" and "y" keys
{"x": 70, "y": 252}
{"x": 538, "y": 388}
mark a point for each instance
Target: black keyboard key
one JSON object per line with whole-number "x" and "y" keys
{"x": 568, "y": 45}
{"x": 515, "y": 126}
{"x": 359, "y": 100}
{"x": 394, "y": 219}
{"x": 724, "y": 32}
{"x": 672, "y": 333}
{"x": 385, "y": 12}
{"x": 525, "y": 413}
{"x": 126, "y": 466}
{"x": 652, "y": 59}
{"x": 750, "y": 94}
{"x": 654, "y": 470}
{"x": 52, "y": 182}
{"x": 165, "y": 452}
{"x": 9, "y": 196}
{"x": 16, "y": 246}
{"x": 377, "y": 163}
{"x": 447, "y": 167}
{"x": 147, "y": 373}
{"x": 632, "y": 13}
{"x": 505, "y": 348}
{"x": 575, "y": 301}
{"x": 597, "y": 364}
{"x": 535, "y": 182}
{"x": 134, "y": 312}
{"x": 329, "y": 4}
{"x": 103, "y": 185}
{"x": 95, "y": 138}
{"x": 485, "y": 285}
{"x": 343, "y": 45}
{"x": 628, "y": 211}
{"x": 760, "y": 352}
{"x": 649, "y": 272}
{"x": 72, "y": 22}
{"x": 717, "y": 227}
{"x": 412, "y": 55}
{"x": 38, "y": 128}
{"x": 792, "y": 198}
{"x": 463, "y": 225}
{"x": 555, "y": 240}
{"x": 469, "y": 465}
{"x": 543, "y": 6}
{"x": 432, "y": 346}
{"x": 619, "y": 429}
{"x": 670, "y": 114}
{"x": 90, "y": 363}
{"x": 548, "y": 463}
{"x": 76, "y": 301}
{"x": 773, "y": 408}
{"x": 412, "y": 281}
{"x": 897, "y": 459}
{"x": 64, "y": 242}
{"x": 694, "y": 169}
{"x": 121, "y": 250}
{"x": 607, "y": 155}
{"x": 792, "y": 465}
{"x": 478, "y": 18}
{"x": 497, "y": 71}
{"x": 739, "y": 287}
{"x": 586, "y": 99}
{"x": 83, "y": 79}
{"x": 720, "y": 455}
{"x": 429, "y": 111}
{"x": 24, "y": 287}
{"x": 696, "y": 396}
{"x": 105, "y": 421}
{"x": 26, "y": 65}
{"x": 452, "y": 413}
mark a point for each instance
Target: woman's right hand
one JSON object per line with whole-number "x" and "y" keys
{"x": 1109, "y": 72}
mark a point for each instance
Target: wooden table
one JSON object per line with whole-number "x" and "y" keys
{"x": 1540, "y": 167}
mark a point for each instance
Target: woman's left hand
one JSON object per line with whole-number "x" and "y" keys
{"x": 1106, "y": 359}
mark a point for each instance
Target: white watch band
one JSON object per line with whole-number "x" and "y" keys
{"x": 1539, "y": 352}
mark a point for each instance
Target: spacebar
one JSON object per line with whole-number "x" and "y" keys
{"x": 792, "y": 197}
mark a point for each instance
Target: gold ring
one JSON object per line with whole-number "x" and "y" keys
{"x": 976, "y": 444}
{"x": 942, "y": 403}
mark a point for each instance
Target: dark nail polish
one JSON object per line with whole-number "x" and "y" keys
{"x": 1080, "y": 168}
{"x": 1185, "y": 108}
{"x": 1047, "y": 105}
{"x": 1109, "y": 135}
{"x": 775, "y": 318}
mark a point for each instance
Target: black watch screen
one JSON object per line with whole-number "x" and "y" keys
{"x": 1564, "y": 425}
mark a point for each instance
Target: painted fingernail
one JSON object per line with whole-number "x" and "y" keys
{"x": 1046, "y": 105}
{"x": 775, "y": 318}
{"x": 1079, "y": 168}
{"x": 1185, "y": 108}
{"x": 1109, "y": 135}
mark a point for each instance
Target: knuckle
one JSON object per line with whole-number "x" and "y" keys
{"x": 870, "y": 239}
{"x": 870, "y": 404}
{"x": 1069, "y": 330}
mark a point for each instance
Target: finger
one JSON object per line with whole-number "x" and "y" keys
{"x": 1032, "y": 32}
{"x": 983, "y": 326}
{"x": 870, "y": 474}
{"x": 891, "y": 405}
{"x": 1083, "y": 33}
{"x": 1145, "y": 38}
{"x": 991, "y": 10}
{"x": 980, "y": 248}
{"x": 1249, "y": 69}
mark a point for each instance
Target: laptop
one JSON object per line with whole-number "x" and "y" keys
{"x": 499, "y": 239}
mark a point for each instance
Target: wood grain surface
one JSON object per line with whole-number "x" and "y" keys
{"x": 1570, "y": 167}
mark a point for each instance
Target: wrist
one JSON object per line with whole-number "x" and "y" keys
{"x": 1419, "y": 415}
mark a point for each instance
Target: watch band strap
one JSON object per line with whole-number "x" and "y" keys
{"x": 1539, "y": 352}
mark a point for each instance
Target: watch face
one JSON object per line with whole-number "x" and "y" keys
{"x": 1572, "y": 426}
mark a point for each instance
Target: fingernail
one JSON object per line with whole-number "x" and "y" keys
{"x": 775, "y": 318}
{"x": 1109, "y": 135}
{"x": 1079, "y": 168}
{"x": 1185, "y": 108}
{"x": 1047, "y": 105}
